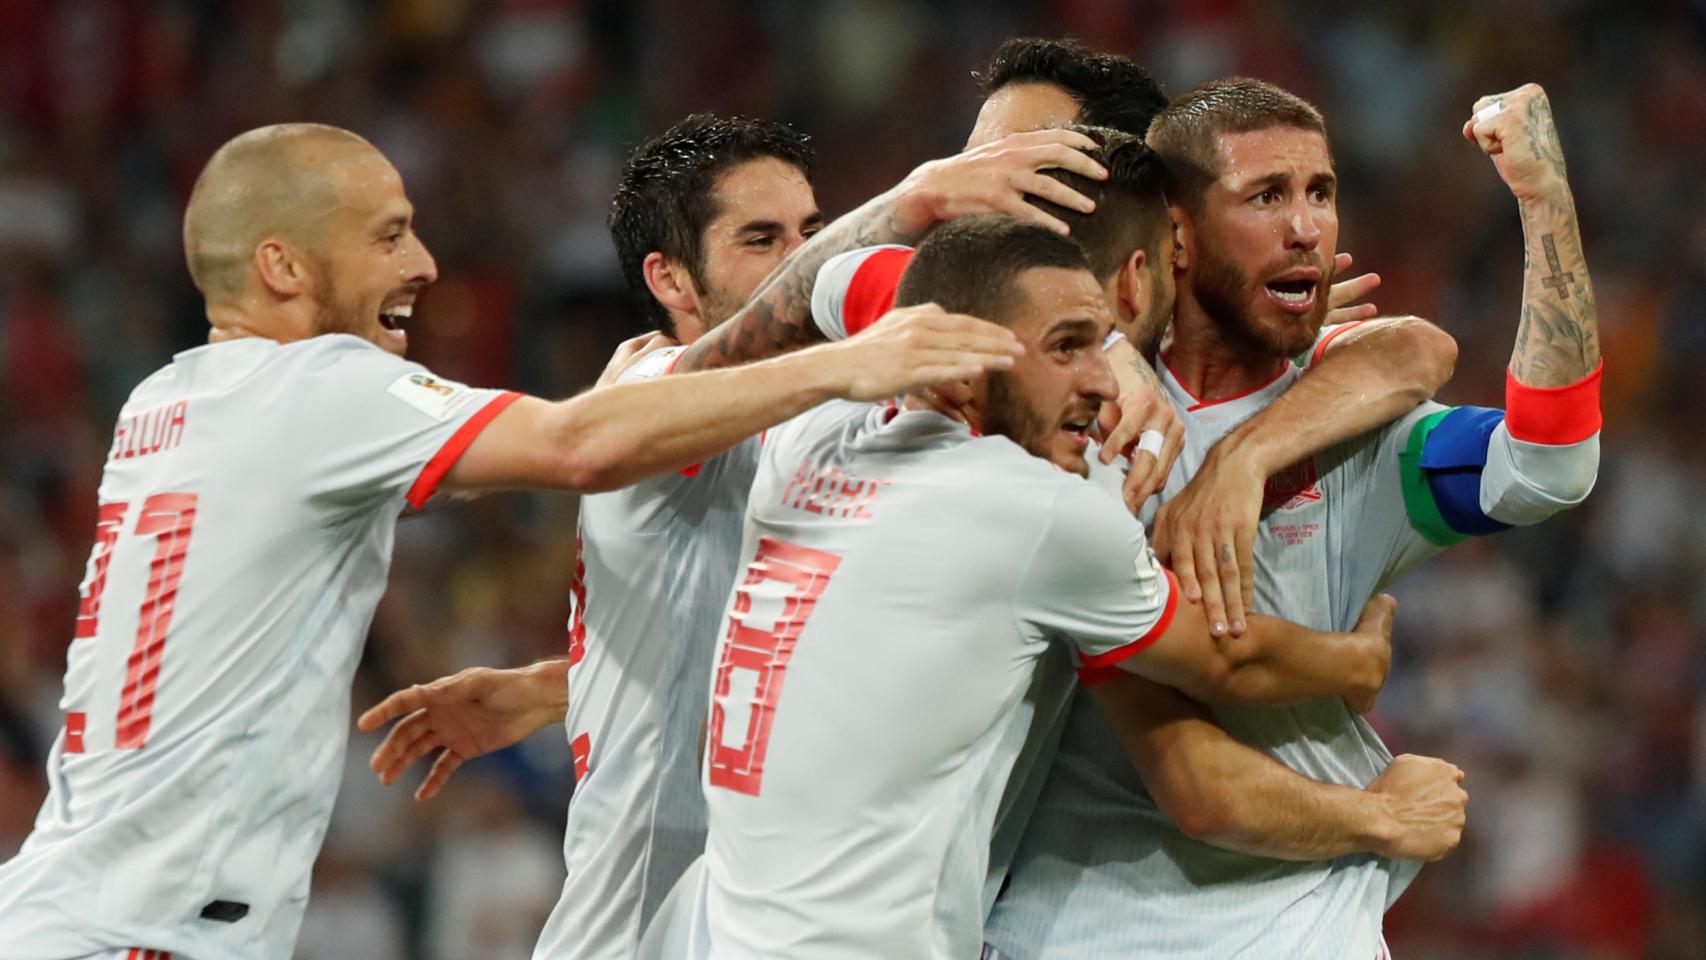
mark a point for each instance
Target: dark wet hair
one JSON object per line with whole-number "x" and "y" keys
{"x": 971, "y": 265}
{"x": 1111, "y": 90}
{"x": 1131, "y": 205}
{"x": 1187, "y": 134}
{"x": 667, "y": 198}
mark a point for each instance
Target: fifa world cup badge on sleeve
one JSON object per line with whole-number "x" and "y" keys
{"x": 434, "y": 397}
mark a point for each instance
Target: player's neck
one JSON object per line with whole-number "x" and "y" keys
{"x": 1211, "y": 365}
{"x": 228, "y": 322}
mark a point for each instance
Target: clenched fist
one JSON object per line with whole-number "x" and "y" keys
{"x": 1515, "y": 128}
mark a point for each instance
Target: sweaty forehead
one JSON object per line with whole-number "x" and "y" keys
{"x": 1019, "y": 108}
{"x": 366, "y": 184}
{"x": 765, "y": 188}
{"x": 1051, "y": 295}
{"x": 1256, "y": 154}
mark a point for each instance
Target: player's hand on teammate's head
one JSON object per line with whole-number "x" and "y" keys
{"x": 630, "y": 352}
{"x": 915, "y": 347}
{"x": 1344, "y": 296}
{"x": 462, "y": 716}
{"x": 1207, "y": 534}
{"x": 1375, "y": 621}
{"x": 1515, "y": 128}
{"x": 1427, "y": 805}
{"x": 996, "y": 178}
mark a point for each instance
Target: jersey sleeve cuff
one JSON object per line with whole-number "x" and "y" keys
{"x": 435, "y": 470}
{"x": 1099, "y": 668}
{"x": 1556, "y": 416}
{"x": 871, "y": 292}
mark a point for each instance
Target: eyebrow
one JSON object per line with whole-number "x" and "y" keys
{"x": 1280, "y": 178}
{"x": 776, "y": 226}
{"x": 395, "y": 221}
{"x": 1078, "y": 326}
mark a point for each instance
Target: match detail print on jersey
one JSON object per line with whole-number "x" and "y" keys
{"x": 169, "y": 518}
{"x": 771, "y": 607}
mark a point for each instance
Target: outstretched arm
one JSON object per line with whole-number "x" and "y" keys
{"x": 463, "y": 716}
{"x": 994, "y": 178}
{"x": 1232, "y": 796}
{"x": 616, "y": 435}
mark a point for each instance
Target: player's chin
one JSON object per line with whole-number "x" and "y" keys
{"x": 1068, "y": 455}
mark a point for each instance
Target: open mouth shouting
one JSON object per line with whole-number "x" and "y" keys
{"x": 1077, "y": 431}
{"x": 1295, "y": 290}
{"x": 392, "y": 320}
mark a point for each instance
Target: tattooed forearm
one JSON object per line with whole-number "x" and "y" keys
{"x": 778, "y": 317}
{"x": 1557, "y": 340}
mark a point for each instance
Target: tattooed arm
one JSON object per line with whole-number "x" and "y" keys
{"x": 994, "y": 178}
{"x": 1557, "y": 339}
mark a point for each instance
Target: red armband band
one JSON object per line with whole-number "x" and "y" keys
{"x": 871, "y": 292}
{"x": 1555, "y": 416}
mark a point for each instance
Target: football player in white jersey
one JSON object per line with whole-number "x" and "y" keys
{"x": 244, "y": 537}
{"x": 1241, "y": 799}
{"x": 704, "y": 211}
{"x": 1106, "y": 868}
{"x": 905, "y": 573}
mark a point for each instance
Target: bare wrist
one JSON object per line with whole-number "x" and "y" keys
{"x": 1381, "y": 825}
{"x": 550, "y": 682}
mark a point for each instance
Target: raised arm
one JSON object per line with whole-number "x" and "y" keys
{"x": 1224, "y": 793}
{"x": 994, "y": 178}
{"x": 1557, "y": 339}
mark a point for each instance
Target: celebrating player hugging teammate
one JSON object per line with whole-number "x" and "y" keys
{"x": 236, "y": 568}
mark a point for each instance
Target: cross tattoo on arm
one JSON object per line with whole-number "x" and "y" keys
{"x": 1560, "y": 278}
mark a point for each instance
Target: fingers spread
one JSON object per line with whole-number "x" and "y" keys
{"x": 446, "y": 764}
{"x": 1052, "y": 190}
{"x": 1352, "y": 290}
{"x": 390, "y": 708}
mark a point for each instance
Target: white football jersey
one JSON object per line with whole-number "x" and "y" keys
{"x": 657, "y": 561}
{"x": 902, "y": 579}
{"x": 1097, "y": 847}
{"x": 247, "y": 511}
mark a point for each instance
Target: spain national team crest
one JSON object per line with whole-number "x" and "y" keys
{"x": 1296, "y": 486}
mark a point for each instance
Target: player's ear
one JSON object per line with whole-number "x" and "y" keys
{"x": 1181, "y": 239}
{"x": 670, "y": 284}
{"x": 1132, "y": 288}
{"x": 956, "y": 399}
{"x": 281, "y": 271}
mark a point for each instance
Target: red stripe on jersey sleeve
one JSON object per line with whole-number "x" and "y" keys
{"x": 870, "y": 294}
{"x": 433, "y": 473}
{"x": 75, "y": 723}
{"x": 581, "y": 749}
{"x": 1334, "y": 334}
{"x": 1557, "y": 416}
{"x": 1102, "y": 667}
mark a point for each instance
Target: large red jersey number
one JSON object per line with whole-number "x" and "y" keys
{"x": 771, "y": 608}
{"x": 168, "y": 517}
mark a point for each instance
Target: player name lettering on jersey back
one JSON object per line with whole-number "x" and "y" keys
{"x": 832, "y": 492}
{"x": 151, "y": 431}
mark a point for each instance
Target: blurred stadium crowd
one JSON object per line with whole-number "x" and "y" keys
{"x": 1564, "y": 667}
